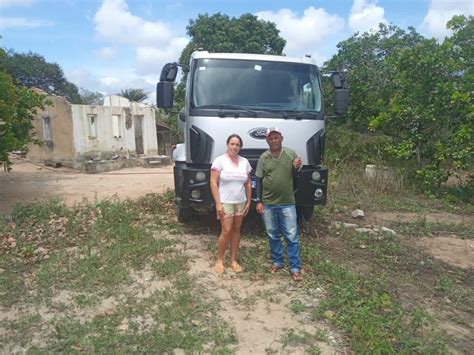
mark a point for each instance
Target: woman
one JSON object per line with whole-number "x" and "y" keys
{"x": 230, "y": 187}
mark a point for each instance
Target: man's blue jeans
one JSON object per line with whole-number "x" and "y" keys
{"x": 281, "y": 219}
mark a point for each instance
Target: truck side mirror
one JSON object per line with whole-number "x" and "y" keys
{"x": 169, "y": 72}
{"x": 165, "y": 87}
{"x": 341, "y": 101}
{"x": 341, "y": 94}
{"x": 164, "y": 94}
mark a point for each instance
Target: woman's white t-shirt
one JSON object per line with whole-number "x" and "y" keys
{"x": 232, "y": 178}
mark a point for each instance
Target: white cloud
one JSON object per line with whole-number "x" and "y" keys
{"x": 115, "y": 24}
{"x": 153, "y": 41}
{"x": 366, "y": 15}
{"x": 22, "y": 23}
{"x": 304, "y": 33}
{"x": 108, "y": 81}
{"x": 107, "y": 53}
{"x": 440, "y": 12}
{"x": 150, "y": 59}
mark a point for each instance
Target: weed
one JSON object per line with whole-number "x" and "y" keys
{"x": 444, "y": 284}
{"x": 85, "y": 300}
{"x": 170, "y": 265}
{"x": 293, "y": 339}
{"x": 297, "y": 306}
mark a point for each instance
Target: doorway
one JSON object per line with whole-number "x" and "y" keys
{"x": 138, "y": 123}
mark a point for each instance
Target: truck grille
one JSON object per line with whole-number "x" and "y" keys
{"x": 252, "y": 155}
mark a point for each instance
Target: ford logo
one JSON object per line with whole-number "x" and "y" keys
{"x": 258, "y": 133}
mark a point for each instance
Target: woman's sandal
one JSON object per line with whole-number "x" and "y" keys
{"x": 236, "y": 267}
{"x": 219, "y": 268}
{"x": 296, "y": 276}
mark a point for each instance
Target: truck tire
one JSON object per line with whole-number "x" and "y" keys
{"x": 183, "y": 214}
{"x": 304, "y": 213}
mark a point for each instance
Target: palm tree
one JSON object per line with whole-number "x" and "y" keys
{"x": 137, "y": 95}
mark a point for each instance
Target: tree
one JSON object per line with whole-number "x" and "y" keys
{"x": 431, "y": 115}
{"x": 366, "y": 58}
{"x": 91, "y": 98}
{"x": 18, "y": 105}
{"x": 221, "y": 33}
{"x": 137, "y": 95}
{"x": 417, "y": 93}
{"x": 32, "y": 70}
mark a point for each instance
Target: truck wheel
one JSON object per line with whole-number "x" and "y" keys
{"x": 184, "y": 214}
{"x": 304, "y": 213}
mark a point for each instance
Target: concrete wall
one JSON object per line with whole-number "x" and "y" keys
{"x": 105, "y": 142}
{"x": 60, "y": 146}
{"x": 119, "y": 101}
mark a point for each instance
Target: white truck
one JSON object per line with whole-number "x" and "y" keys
{"x": 245, "y": 94}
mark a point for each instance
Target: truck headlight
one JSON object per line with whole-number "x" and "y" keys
{"x": 316, "y": 176}
{"x": 200, "y": 176}
{"x": 318, "y": 193}
{"x": 196, "y": 194}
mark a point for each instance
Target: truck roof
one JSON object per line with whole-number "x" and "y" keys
{"x": 246, "y": 56}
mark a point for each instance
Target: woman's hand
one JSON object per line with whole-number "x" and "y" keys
{"x": 246, "y": 208}
{"x": 260, "y": 209}
{"x": 220, "y": 210}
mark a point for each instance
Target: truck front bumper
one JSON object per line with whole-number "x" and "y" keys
{"x": 193, "y": 188}
{"x": 311, "y": 186}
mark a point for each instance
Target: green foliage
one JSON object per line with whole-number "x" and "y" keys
{"x": 137, "y": 95}
{"x": 18, "y": 105}
{"x": 418, "y": 93}
{"x": 221, "y": 33}
{"x": 345, "y": 145}
{"x": 32, "y": 70}
{"x": 364, "y": 58}
{"x": 431, "y": 115}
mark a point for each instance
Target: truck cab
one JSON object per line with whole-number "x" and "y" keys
{"x": 239, "y": 93}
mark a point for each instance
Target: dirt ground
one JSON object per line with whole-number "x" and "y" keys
{"x": 29, "y": 182}
{"x": 266, "y": 320}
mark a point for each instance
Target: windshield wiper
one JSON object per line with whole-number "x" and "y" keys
{"x": 229, "y": 107}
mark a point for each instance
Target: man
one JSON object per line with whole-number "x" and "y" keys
{"x": 276, "y": 169}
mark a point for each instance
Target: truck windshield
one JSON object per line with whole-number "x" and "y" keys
{"x": 256, "y": 85}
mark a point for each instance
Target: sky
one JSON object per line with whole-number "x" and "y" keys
{"x": 110, "y": 45}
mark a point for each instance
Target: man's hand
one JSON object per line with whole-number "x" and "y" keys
{"x": 260, "y": 209}
{"x": 297, "y": 163}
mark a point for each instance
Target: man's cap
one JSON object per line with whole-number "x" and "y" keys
{"x": 272, "y": 129}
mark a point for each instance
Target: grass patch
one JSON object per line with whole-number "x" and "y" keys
{"x": 175, "y": 318}
{"x": 308, "y": 340}
{"x": 364, "y": 308}
{"x": 423, "y": 228}
{"x": 90, "y": 251}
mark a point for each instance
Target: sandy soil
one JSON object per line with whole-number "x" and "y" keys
{"x": 450, "y": 248}
{"x": 30, "y": 182}
{"x": 261, "y": 325}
